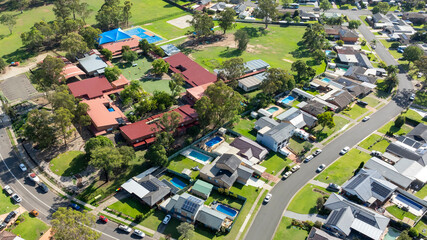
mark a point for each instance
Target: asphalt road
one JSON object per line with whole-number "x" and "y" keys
{"x": 269, "y": 215}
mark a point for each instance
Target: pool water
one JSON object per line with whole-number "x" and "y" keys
{"x": 111, "y": 109}
{"x": 199, "y": 156}
{"x": 213, "y": 141}
{"x": 326, "y": 80}
{"x": 141, "y": 33}
{"x": 409, "y": 202}
{"x": 226, "y": 210}
{"x": 272, "y": 109}
{"x": 391, "y": 234}
{"x": 288, "y": 99}
{"x": 178, "y": 183}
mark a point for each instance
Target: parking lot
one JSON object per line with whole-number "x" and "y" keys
{"x": 18, "y": 88}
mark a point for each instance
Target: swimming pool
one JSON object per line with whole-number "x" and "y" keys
{"x": 288, "y": 99}
{"x": 391, "y": 234}
{"x": 143, "y": 34}
{"x": 326, "y": 80}
{"x": 409, "y": 202}
{"x": 178, "y": 183}
{"x": 272, "y": 109}
{"x": 226, "y": 210}
{"x": 199, "y": 156}
{"x": 111, "y": 109}
{"x": 213, "y": 141}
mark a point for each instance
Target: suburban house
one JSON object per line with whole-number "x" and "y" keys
{"x": 350, "y": 219}
{"x": 297, "y": 118}
{"x": 143, "y": 132}
{"x": 355, "y": 88}
{"x": 319, "y": 234}
{"x": 314, "y": 108}
{"x": 249, "y": 149}
{"x": 194, "y": 94}
{"x": 415, "y": 17}
{"x": 116, "y": 47}
{"x": 275, "y": 137}
{"x": 226, "y": 170}
{"x": 220, "y": 6}
{"x": 351, "y": 57}
{"x": 419, "y": 133}
{"x": 341, "y": 99}
{"x": 401, "y": 28}
{"x": 362, "y": 74}
{"x": 252, "y": 82}
{"x": 380, "y": 20}
{"x": 265, "y": 122}
{"x": 170, "y": 49}
{"x": 194, "y": 74}
{"x": 347, "y": 35}
{"x": 300, "y": 94}
{"x": 332, "y": 31}
{"x": 201, "y": 189}
{"x": 92, "y": 63}
{"x": 370, "y": 187}
{"x": 148, "y": 190}
{"x": 308, "y": 16}
{"x": 90, "y": 88}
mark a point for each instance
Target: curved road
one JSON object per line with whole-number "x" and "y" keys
{"x": 269, "y": 215}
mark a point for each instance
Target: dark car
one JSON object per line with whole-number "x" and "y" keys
{"x": 333, "y": 187}
{"x": 10, "y": 216}
{"x": 43, "y": 187}
{"x": 362, "y": 103}
{"x": 74, "y": 206}
{"x": 3, "y": 225}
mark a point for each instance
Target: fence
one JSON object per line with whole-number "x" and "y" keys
{"x": 238, "y": 197}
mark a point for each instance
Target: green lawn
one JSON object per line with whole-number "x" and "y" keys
{"x": 222, "y": 198}
{"x": 399, "y": 213}
{"x": 246, "y": 127}
{"x": 167, "y": 30}
{"x": 421, "y": 98}
{"x": 422, "y": 193}
{"x": 134, "y": 73}
{"x": 275, "y": 162}
{"x": 287, "y": 231}
{"x": 304, "y": 201}
{"x": 31, "y": 228}
{"x": 6, "y": 203}
{"x": 180, "y": 162}
{"x": 355, "y": 112}
{"x": 295, "y": 103}
{"x": 259, "y": 45}
{"x": 363, "y": 18}
{"x": 69, "y": 163}
{"x": 372, "y": 102}
{"x": 414, "y": 115}
{"x": 399, "y": 131}
{"x": 297, "y": 144}
{"x": 421, "y": 226}
{"x": 379, "y": 146}
{"x": 340, "y": 122}
{"x": 393, "y": 52}
{"x": 151, "y": 85}
{"x": 129, "y": 206}
{"x": 343, "y": 169}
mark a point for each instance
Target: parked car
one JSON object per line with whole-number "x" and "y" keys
{"x": 268, "y": 197}
{"x": 3, "y": 225}
{"x": 321, "y": 168}
{"x": 23, "y": 167}
{"x": 103, "y": 219}
{"x": 345, "y": 150}
{"x": 74, "y": 206}
{"x": 362, "y": 103}
{"x": 333, "y": 187}
{"x": 376, "y": 153}
{"x": 354, "y": 9}
{"x": 125, "y": 228}
{"x": 33, "y": 177}
{"x": 139, "y": 233}
{"x": 34, "y": 212}
{"x": 317, "y": 152}
{"x": 412, "y": 97}
{"x": 43, "y": 187}
{"x": 10, "y": 216}
{"x": 8, "y": 190}
{"x": 16, "y": 198}
{"x": 295, "y": 168}
{"x": 308, "y": 158}
{"x": 366, "y": 118}
{"x": 166, "y": 219}
{"x": 287, "y": 174}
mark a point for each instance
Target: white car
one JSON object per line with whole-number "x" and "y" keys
{"x": 366, "y": 118}
{"x": 268, "y": 197}
{"x": 345, "y": 150}
{"x": 412, "y": 97}
{"x": 295, "y": 168}
{"x": 33, "y": 177}
{"x": 308, "y": 158}
{"x": 16, "y": 198}
{"x": 287, "y": 174}
{"x": 8, "y": 189}
{"x": 139, "y": 233}
{"x": 321, "y": 168}
{"x": 23, "y": 167}
{"x": 166, "y": 219}
{"x": 317, "y": 152}
{"x": 125, "y": 228}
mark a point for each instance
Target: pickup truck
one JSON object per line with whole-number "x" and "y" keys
{"x": 8, "y": 190}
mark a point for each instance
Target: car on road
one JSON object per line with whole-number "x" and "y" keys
{"x": 287, "y": 174}
{"x": 139, "y": 233}
{"x": 268, "y": 197}
{"x": 333, "y": 187}
{"x": 125, "y": 228}
{"x": 16, "y": 198}
{"x": 396, "y": 11}
{"x": 412, "y": 97}
{"x": 23, "y": 167}
{"x": 366, "y": 118}
{"x": 103, "y": 219}
{"x": 34, "y": 212}
{"x": 308, "y": 158}
{"x": 10, "y": 216}
{"x": 74, "y": 206}
{"x": 8, "y": 190}
{"x": 376, "y": 153}
{"x": 43, "y": 187}
{"x": 354, "y": 9}
{"x": 295, "y": 168}
{"x": 321, "y": 168}
{"x": 166, "y": 219}
{"x": 317, "y": 152}
{"x": 33, "y": 177}
{"x": 345, "y": 150}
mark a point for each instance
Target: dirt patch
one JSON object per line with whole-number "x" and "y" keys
{"x": 147, "y": 24}
{"x": 255, "y": 48}
{"x": 287, "y": 60}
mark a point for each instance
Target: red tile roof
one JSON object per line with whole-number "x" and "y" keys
{"x": 194, "y": 74}
{"x": 198, "y": 92}
{"x": 90, "y": 88}
{"x": 100, "y": 115}
{"x": 121, "y": 82}
{"x": 116, "y": 47}
{"x": 71, "y": 70}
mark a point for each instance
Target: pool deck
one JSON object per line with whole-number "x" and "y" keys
{"x": 186, "y": 153}
{"x": 276, "y": 113}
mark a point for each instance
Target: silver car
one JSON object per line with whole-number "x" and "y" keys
{"x": 16, "y": 198}
{"x": 125, "y": 228}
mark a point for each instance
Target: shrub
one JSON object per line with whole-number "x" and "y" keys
{"x": 340, "y": 42}
{"x": 413, "y": 232}
{"x": 400, "y": 120}
{"x": 394, "y": 45}
{"x": 363, "y": 43}
{"x": 318, "y": 224}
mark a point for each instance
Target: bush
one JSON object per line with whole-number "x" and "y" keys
{"x": 363, "y": 43}
{"x": 340, "y": 42}
{"x": 413, "y": 232}
{"x": 394, "y": 45}
{"x": 318, "y": 224}
{"x": 400, "y": 120}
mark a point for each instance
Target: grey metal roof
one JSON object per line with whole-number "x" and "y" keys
{"x": 253, "y": 80}
{"x": 419, "y": 133}
{"x": 400, "y": 150}
{"x": 302, "y": 93}
{"x": 158, "y": 189}
{"x": 388, "y": 172}
{"x": 132, "y": 187}
{"x": 363, "y": 60}
{"x": 210, "y": 217}
{"x": 281, "y": 132}
{"x": 292, "y": 113}
{"x": 342, "y": 219}
{"x": 244, "y": 144}
{"x": 341, "y": 98}
{"x": 244, "y": 172}
{"x": 265, "y": 122}
{"x": 255, "y": 65}
{"x": 92, "y": 63}
{"x": 289, "y": 114}
{"x": 229, "y": 160}
{"x": 170, "y": 49}
{"x": 348, "y": 33}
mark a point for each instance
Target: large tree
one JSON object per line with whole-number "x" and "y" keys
{"x": 412, "y": 53}
{"x": 383, "y": 7}
{"x": 267, "y": 10}
{"x": 39, "y": 128}
{"x": 326, "y": 119}
{"x": 162, "y": 100}
{"x": 160, "y": 66}
{"x": 277, "y": 80}
{"x": 242, "y": 39}
{"x": 354, "y": 24}
{"x": 70, "y": 224}
{"x": 176, "y": 84}
{"x": 49, "y": 72}
{"x": 109, "y": 159}
{"x": 126, "y": 14}
{"x": 80, "y": 115}
{"x": 110, "y": 14}
{"x": 132, "y": 93}
{"x": 90, "y": 36}
{"x": 8, "y": 20}
{"x": 233, "y": 69}
{"x": 97, "y": 142}
{"x": 129, "y": 56}
{"x": 74, "y": 45}
{"x": 203, "y": 24}
{"x": 156, "y": 155}
{"x": 61, "y": 97}
{"x": 226, "y": 19}
{"x": 304, "y": 72}
{"x": 325, "y": 5}
{"x": 186, "y": 230}
{"x": 314, "y": 37}
{"x": 63, "y": 119}
{"x": 421, "y": 64}
{"x": 112, "y": 73}
{"x": 219, "y": 105}
{"x": 390, "y": 82}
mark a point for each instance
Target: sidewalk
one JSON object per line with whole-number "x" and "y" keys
{"x": 248, "y": 217}
{"x": 305, "y": 217}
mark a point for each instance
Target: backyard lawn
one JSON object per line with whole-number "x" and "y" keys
{"x": 372, "y": 102}
{"x": 422, "y": 193}
{"x": 355, "y": 112}
{"x": 134, "y": 73}
{"x": 304, "y": 202}
{"x": 31, "y": 228}
{"x": 180, "y": 162}
{"x": 275, "y": 162}
{"x": 287, "y": 231}
{"x": 421, "y": 226}
{"x": 372, "y": 139}
{"x": 69, "y": 163}
{"x": 339, "y": 125}
{"x": 298, "y": 145}
{"x": 395, "y": 130}
{"x": 343, "y": 169}
{"x": 246, "y": 127}
{"x": 399, "y": 213}
{"x": 6, "y": 203}
{"x": 222, "y": 198}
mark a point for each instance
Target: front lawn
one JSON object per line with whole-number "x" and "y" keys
{"x": 373, "y": 142}
{"x": 395, "y": 130}
{"x": 31, "y": 228}
{"x": 275, "y": 162}
{"x": 393, "y": 52}
{"x": 304, "y": 201}
{"x": 421, "y": 226}
{"x": 355, "y": 112}
{"x": 340, "y": 122}
{"x": 372, "y": 102}
{"x": 298, "y": 145}
{"x": 180, "y": 162}
{"x": 69, "y": 163}
{"x": 287, "y": 231}
{"x": 6, "y": 203}
{"x": 399, "y": 213}
{"x": 411, "y": 114}
{"x": 421, "y": 98}
{"x": 130, "y": 206}
{"x": 246, "y": 127}
{"x": 343, "y": 169}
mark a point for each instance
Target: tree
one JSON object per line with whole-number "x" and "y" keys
{"x": 62, "y": 9}
{"x": 233, "y": 69}
{"x": 144, "y": 106}
{"x": 39, "y": 128}
{"x": 354, "y": 24}
{"x": 19, "y": 4}
{"x": 412, "y": 53}
{"x": 63, "y": 119}
{"x": 126, "y": 14}
{"x": 97, "y": 142}
{"x": 400, "y": 120}
{"x": 318, "y": 55}
{"x": 132, "y": 93}
{"x": 107, "y": 54}
{"x": 49, "y": 72}
{"x": 90, "y": 36}
{"x": 110, "y": 14}
{"x": 186, "y": 230}
{"x": 157, "y": 50}
{"x": 219, "y": 105}
{"x": 304, "y": 72}
{"x": 160, "y": 66}
{"x": 391, "y": 81}
{"x": 176, "y": 84}
{"x": 70, "y": 224}
{"x": 8, "y": 20}
{"x": 391, "y": 69}
{"x": 80, "y": 115}
{"x": 277, "y": 80}
{"x": 129, "y": 56}
{"x": 203, "y": 24}
{"x": 267, "y": 10}
{"x": 109, "y": 159}
{"x": 112, "y": 73}
{"x": 169, "y": 121}
{"x": 383, "y": 7}
{"x": 286, "y": 3}
{"x": 32, "y": 40}
{"x": 413, "y": 233}
{"x": 375, "y": 10}
{"x": 314, "y": 37}
{"x": 319, "y": 203}
{"x": 326, "y": 119}
{"x": 144, "y": 46}
{"x": 340, "y": 42}
{"x": 404, "y": 236}
{"x": 421, "y": 64}
{"x": 226, "y": 19}
{"x": 242, "y": 39}
{"x": 3, "y": 65}
{"x": 61, "y": 97}
{"x": 127, "y": 153}
{"x": 162, "y": 100}
{"x": 73, "y": 44}
{"x": 297, "y": 19}
{"x": 85, "y": 11}
{"x": 156, "y": 155}
{"x": 325, "y": 5}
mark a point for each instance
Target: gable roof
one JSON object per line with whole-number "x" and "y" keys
{"x": 210, "y": 217}
{"x": 253, "y": 80}
{"x": 297, "y": 117}
{"x": 388, "y": 171}
{"x": 419, "y": 133}
{"x": 281, "y": 132}
{"x": 255, "y": 65}
{"x": 70, "y": 70}
{"x": 363, "y": 60}
{"x": 203, "y": 187}
{"x": 318, "y": 234}
{"x": 90, "y": 88}
{"x": 245, "y": 144}
{"x": 199, "y": 91}
{"x": 341, "y": 98}
{"x": 347, "y": 33}
{"x": 265, "y": 122}
{"x": 189, "y": 204}
{"x": 112, "y": 36}
{"x": 229, "y": 160}
{"x": 133, "y": 187}
{"x": 244, "y": 172}
{"x": 314, "y": 107}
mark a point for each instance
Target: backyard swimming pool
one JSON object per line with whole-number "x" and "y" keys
{"x": 178, "y": 183}
{"x": 151, "y": 38}
{"x": 326, "y": 80}
{"x": 409, "y": 202}
{"x": 272, "y": 109}
{"x": 391, "y": 234}
{"x": 226, "y": 210}
{"x": 199, "y": 156}
{"x": 213, "y": 141}
{"x": 288, "y": 99}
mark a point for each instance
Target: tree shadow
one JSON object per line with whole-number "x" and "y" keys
{"x": 19, "y": 55}
{"x": 78, "y": 164}
{"x": 229, "y": 53}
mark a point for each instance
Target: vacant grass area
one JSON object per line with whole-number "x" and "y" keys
{"x": 151, "y": 85}
{"x": 287, "y": 231}
{"x": 343, "y": 169}
{"x": 421, "y": 226}
{"x": 414, "y": 115}
{"x": 393, "y": 52}
{"x": 298, "y": 145}
{"x": 222, "y": 198}
{"x": 373, "y": 142}
{"x": 340, "y": 122}
{"x": 275, "y": 162}
{"x": 355, "y": 112}
{"x": 399, "y": 213}
{"x": 422, "y": 193}
{"x": 31, "y": 228}
{"x": 130, "y": 206}
{"x": 373, "y": 102}
{"x": 304, "y": 201}
{"x": 246, "y": 127}
{"x": 6, "y": 203}
{"x": 395, "y": 130}
{"x": 262, "y": 42}
{"x": 137, "y": 72}
{"x": 180, "y": 163}
{"x": 69, "y": 163}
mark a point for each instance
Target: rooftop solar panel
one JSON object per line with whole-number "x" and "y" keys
{"x": 379, "y": 189}
{"x": 356, "y": 181}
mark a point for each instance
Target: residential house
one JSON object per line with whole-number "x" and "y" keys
{"x": 276, "y": 137}
{"x": 148, "y": 190}
{"x": 361, "y": 74}
{"x": 225, "y": 171}
{"x": 116, "y": 47}
{"x": 419, "y": 133}
{"x": 351, "y": 57}
{"x": 240, "y": 8}
{"x": 401, "y": 28}
{"x": 265, "y": 122}
{"x": 348, "y": 36}
{"x": 354, "y": 88}
{"x": 341, "y": 99}
{"x": 298, "y": 118}
{"x": 308, "y": 16}
{"x": 380, "y": 20}
{"x": 314, "y": 108}
{"x": 5, "y": 235}
{"x": 201, "y": 189}
{"x": 252, "y": 82}
{"x": 415, "y": 17}
{"x": 220, "y": 6}
{"x": 170, "y": 49}
{"x": 93, "y": 64}
{"x": 249, "y": 149}
{"x": 350, "y": 219}
{"x": 333, "y": 31}
{"x": 302, "y": 94}
{"x": 319, "y": 234}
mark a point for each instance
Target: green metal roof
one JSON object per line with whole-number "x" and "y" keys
{"x": 203, "y": 187}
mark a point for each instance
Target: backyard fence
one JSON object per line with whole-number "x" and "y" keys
{"x": 238, "y": 197}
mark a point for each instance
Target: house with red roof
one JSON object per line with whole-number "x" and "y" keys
{"x": 116, "y": 47}
{"x": 194, "y": 74}
{"x": 90, "y": 88}
{"x": 144, "y": 132}
{"x": 194, "y": 94}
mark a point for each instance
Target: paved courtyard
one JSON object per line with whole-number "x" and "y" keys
{"x": 18, "y": 88}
